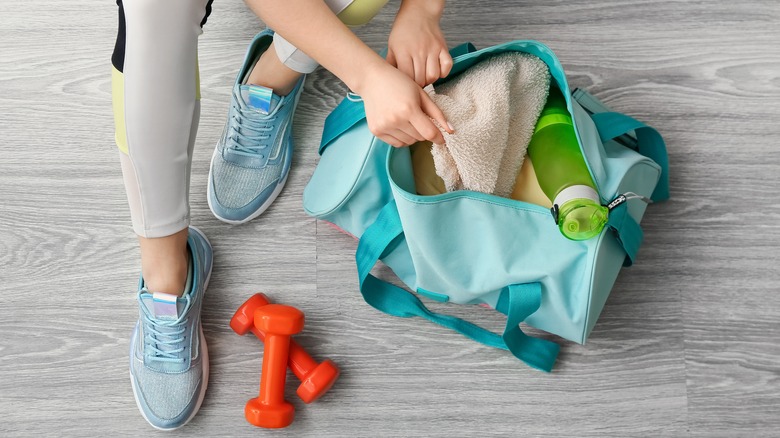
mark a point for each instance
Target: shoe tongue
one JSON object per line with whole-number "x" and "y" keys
{"x": 259, "y": 98}
{"x": 167, "y": 306}
{"x": 164, "y": 306}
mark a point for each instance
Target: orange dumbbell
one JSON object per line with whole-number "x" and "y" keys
{"x": 316, "y": 378}
{"x": 270, "y": 409}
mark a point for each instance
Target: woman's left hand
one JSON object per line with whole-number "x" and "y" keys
{"x": 416, "y": 45}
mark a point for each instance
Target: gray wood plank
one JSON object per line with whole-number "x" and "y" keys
{"x": 686, "y": 345}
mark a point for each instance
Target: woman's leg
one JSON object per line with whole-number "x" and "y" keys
{"x": 156, "y": 110}
{"x": 280, "y": 69}
{"x": 252, "y": 159}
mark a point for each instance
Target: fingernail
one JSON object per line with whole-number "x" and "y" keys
{"x": 449, "y": 125}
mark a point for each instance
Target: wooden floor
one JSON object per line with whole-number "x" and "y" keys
{"x": 689, "y": 341}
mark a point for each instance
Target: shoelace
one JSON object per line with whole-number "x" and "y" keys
{"x": 156, "y": 338}
{"x": 159, "y": 334}
{"x": 251, "y": 142}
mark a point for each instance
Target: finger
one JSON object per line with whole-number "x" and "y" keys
{"x": 432, "y": 70}
{"x": 419, "y": 71}
{"x": 406, "y": 66}
{"x": 404, "y": 137}
{"x": 434, "y": 112}
{"x": 445, "y": 63}
{"x": 391, "y": 57}
{"x": 412, "y": 132}
{"x": 427, "y": 129}
{"x": 392, "y": 141}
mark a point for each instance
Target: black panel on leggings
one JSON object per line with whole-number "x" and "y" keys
{"x": 208, "y": 12}
{"x": 118, "y": 57}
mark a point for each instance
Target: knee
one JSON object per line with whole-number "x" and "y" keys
{"x": 360, "y": 12}
{"x": 167, "y": 16}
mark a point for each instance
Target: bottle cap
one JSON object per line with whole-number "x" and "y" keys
{"x": 580, "y": 216}
{"x": 582, "y": 219}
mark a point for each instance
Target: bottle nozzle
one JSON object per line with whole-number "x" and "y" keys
{"x": 582, "y": 219}
{"x": 580, "y": 216}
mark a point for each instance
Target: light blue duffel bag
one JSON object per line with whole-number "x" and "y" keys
{"x": 472, "y": 248}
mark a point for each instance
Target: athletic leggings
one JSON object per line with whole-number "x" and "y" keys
{"x": 156, "y": 100}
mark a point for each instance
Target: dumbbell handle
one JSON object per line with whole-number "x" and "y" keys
{"x": 299, "y": 361}
{"x": 274, "y": 370}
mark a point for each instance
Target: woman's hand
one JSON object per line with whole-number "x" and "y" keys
{"x": 416, "y": 45}
{"x": 398, "y": 111}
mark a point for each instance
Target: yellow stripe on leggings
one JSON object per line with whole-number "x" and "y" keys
{"x": 118, "y": 100}
{"x": 360, "y": 12}
{"x": 118, "y": 104}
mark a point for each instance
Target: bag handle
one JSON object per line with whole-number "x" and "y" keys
{"x": 351, "y": 111}
{"x": 612, "y": 125}
{"x": 523, "y": 299}
{"x": 628, "y": 232}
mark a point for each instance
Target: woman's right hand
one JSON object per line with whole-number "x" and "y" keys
{"x": 398, "y": 111}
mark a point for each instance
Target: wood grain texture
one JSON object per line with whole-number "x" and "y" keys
{"x": 687, "y": 344}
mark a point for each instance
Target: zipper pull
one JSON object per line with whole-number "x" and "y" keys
{"x": 625, "y": 197}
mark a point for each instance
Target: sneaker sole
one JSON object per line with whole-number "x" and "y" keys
{"x": 204, "y": 350}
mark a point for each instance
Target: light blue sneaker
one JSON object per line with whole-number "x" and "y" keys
{"x": 169, "y": 361}
{"x": 251, "y": 161}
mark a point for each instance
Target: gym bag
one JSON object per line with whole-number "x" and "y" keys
{"x": 467, "y": 247}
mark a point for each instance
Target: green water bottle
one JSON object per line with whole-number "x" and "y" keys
{"x": 562, "y": 173}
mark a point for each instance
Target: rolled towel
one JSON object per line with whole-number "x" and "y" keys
{"x": 493, "y": 106}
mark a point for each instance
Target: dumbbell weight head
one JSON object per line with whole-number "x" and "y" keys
{"x": 244, "y": 319}
{"x": 269, "y": 416}
{"x": 279, "y": 319}
{"x": 318, "y": 381}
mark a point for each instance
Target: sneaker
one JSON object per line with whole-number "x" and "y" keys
{"x": 169, "y": 361}
{"x": 251, "y": 161}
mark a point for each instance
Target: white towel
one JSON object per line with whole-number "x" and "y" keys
{"x": 493, "y": 106}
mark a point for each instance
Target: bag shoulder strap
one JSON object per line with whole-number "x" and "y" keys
{"x": 649, "y": 143}
{"x": 523, "y": 299}
{"x": 635, "y": 135}
{"x": 628, "y": 231}
{"x": 629, "y": 132}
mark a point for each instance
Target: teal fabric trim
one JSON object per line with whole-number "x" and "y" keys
{"x": 462, "y": 49}
{"x": 433, "y": 295}
{"x": 523, "y": 300}
{"x": 612, "y": 125}
{"x": 628, "y": 231}
{"x": 343, "y": 117}
{"x": 503, "y": 303}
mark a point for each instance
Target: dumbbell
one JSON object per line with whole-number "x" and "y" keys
{"x": 270, "y": 409}
{"x": 316, "y": 378}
